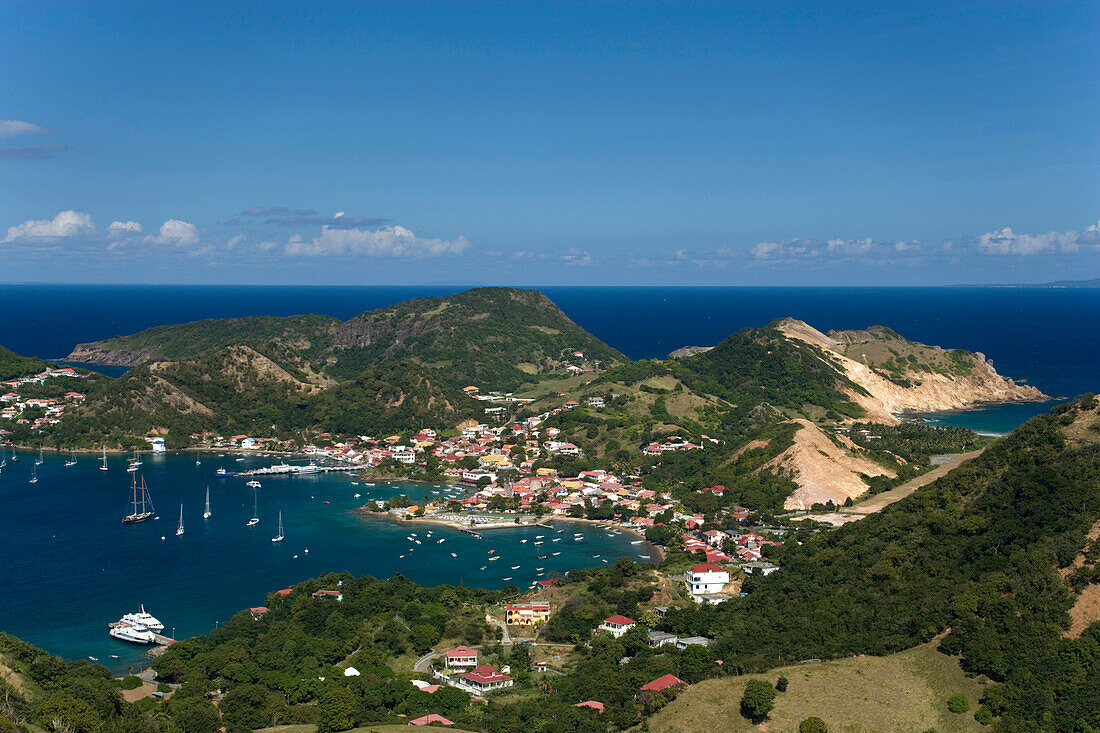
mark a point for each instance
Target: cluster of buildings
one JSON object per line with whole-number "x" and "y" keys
{"x": 46, "y": 410}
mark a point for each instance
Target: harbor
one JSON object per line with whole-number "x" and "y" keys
{"x": 221, "y": 565}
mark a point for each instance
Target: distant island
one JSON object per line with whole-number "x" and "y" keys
{"x": 496, "y": 386}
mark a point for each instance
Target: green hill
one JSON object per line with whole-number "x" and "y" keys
{"x": 496, "y": 338}
{"x": 13, "y": 365}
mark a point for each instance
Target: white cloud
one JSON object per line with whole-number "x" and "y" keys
{"x": 392, "y": 241}
{"x": 577, "y": 259}
{"x": 65, "y": 224}
{"x": 11, "y": 128}
{"x": 1007, "y": 242}
{"x": 234, "y": 241}
{"x": 177, "y": 232}
{"x": 123, "y": 228}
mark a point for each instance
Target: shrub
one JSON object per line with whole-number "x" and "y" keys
{"x": 781, "y": 684}
{"x": 958, "y": 703}
{"x": 130, "y": 682}
{"x": 813, "y": 725}
{"x": 983, "y": 716}
{"x": 758, "y": 700}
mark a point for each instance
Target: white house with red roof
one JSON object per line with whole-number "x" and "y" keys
{"x": 483, "y": 679}
{"x": 706, "y": 578}
{"x": 462, "y": 656}
{"x": 617, "y": 625}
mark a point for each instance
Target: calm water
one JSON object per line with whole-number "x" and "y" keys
{"x": 1047, "y": 337}
{"x": 71, "y": 566}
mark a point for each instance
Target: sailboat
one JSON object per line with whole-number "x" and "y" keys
{"x": 140, "y": 502}
{"x": 206, "y": 511}
{"x": 255, "y": 513}
{"x": 72, "y": 460}
{"x": 34, "y": 474}
{"x": 179, "y": 529}
{"x": 38, "y": 461}
{"x": 279, "y": 536}
{"x": 104, "y": 466}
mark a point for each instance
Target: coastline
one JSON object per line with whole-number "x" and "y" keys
{"x": 656, "y": 553}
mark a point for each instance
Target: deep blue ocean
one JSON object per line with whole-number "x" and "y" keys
{"x": 70, "y": 566}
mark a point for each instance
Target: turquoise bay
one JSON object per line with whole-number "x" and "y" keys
{"x": 71, "y": 566}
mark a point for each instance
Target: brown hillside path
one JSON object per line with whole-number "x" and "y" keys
{"x": 878, "y": 502}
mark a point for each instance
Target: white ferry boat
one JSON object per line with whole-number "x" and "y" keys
{"x": 144, "y": 619}
{"x": 132, "y": 634}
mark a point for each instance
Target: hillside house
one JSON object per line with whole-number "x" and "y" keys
{"x": 528, "y": 613}
{"x": 617, "y": 625}
{"x": 461, "y": 657}
{"x": 483, "y": 679}
{"x": 706, "y": 578}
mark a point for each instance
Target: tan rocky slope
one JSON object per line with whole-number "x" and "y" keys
{"x": 932, "y": 389}
{"x": 823, "y": 470}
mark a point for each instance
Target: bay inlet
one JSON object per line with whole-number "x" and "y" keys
{"x": 71, "y": 565}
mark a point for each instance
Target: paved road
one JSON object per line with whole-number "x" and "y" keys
{"x": 424, "y": 664}
{"x": 879, "y": 501}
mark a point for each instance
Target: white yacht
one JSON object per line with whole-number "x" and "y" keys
{"x": 133, "y": 634}
{"x": 179, "y": 529}
{"x": 279, "y": 537}
{"x": 253, "y": 484}
{"x": 255, "y": 513}
{"x": 206, "y": 511}
{"x": 143, "y": 619}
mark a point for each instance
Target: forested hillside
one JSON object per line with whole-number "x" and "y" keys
{"x": 976, "y": 553}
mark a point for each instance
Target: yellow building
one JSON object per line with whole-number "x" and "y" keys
{"x": 526, "y": 614}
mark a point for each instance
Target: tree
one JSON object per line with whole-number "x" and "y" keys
{"x": 194, "y": 715}
{"x": 813, "y": 725}
{"x": 781, "y": 684}
{"x": 758, "y": 700}
{"x": 337, "y": 711}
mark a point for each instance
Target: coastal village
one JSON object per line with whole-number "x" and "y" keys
{"x": 37, "y": 412}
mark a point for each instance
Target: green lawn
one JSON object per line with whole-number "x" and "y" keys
{"x": 905, "y": 692}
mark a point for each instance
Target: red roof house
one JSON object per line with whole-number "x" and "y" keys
{"x": 597, "y": 706}
{"x": 664, "y": 682}
{"x": 429, "y": 719}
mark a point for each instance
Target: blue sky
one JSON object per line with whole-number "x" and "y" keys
{"x": 530, "y": 143}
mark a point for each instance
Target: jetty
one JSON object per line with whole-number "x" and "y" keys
{"x": 284, "y": 469}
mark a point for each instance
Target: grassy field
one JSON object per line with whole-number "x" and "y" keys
{"x": 904, "y": 692}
